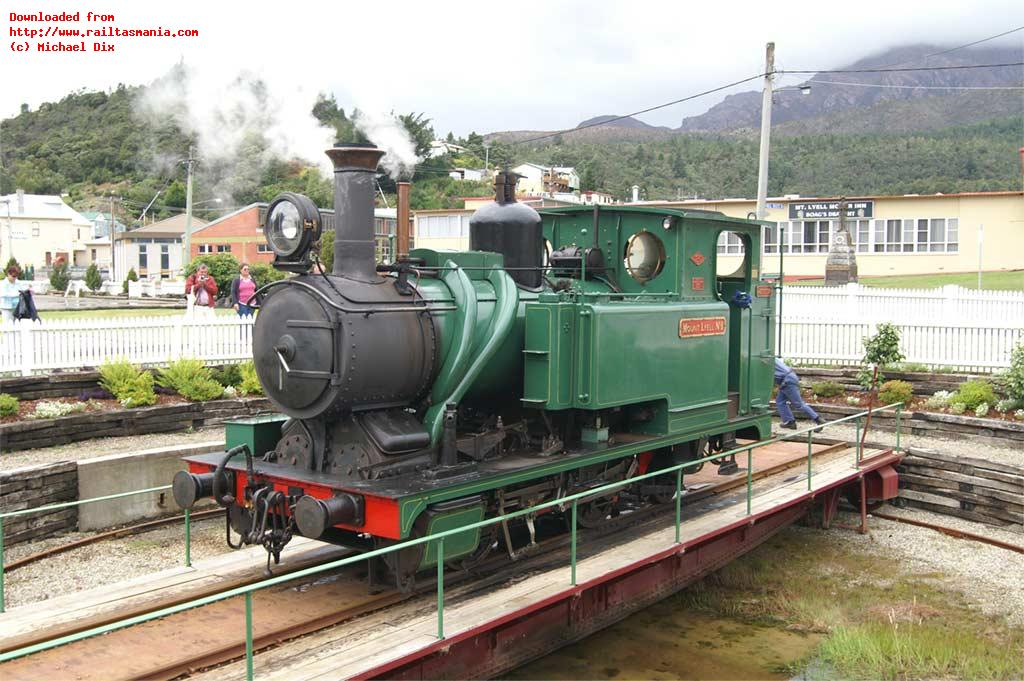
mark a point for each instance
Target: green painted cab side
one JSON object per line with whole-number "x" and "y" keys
{"x": 456, "y": 545}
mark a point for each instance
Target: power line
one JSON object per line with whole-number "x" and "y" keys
{"x": 642, "y": 111}
{"x": 916, "y": 68}
{"x": 919, "y": 87}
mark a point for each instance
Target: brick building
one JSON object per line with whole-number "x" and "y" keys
{"x": 239, "y": 233}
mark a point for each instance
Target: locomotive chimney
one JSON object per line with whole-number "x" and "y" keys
{"x": 354, "y": 246}
{"x": 402, "y": 228}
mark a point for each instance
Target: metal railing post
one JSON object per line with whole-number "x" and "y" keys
{"x": 679, "y": 502}
{"x": 810, "y": 443}
{"x": 440, "y": 588}
{"x": 858, "y": 447}
{"x": 899, "y": 412}
{"x": 572, "y": 546}
{"x": 750, "y": 479}
{"x": 248, "y": 636}
{"x": 2, "y": 565}
{"x": 188, "y": 537}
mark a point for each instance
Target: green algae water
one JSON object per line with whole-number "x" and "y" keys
{"x": 669, "y": 641}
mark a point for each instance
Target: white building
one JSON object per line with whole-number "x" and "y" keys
{"x": 468, "y": 174}
{"x": 592, "y": 198}
{"x": 154, "y": 251}
{"x": 39, "y": 230}
{"x": 538, "y": 180}
{"x": 440, "y": 148}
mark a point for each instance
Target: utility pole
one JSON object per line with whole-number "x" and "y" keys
{"x": 981, "y": 241}
{"x": 766, "y": 126}
{"x": 487, "y": 156}
{"x": 187, "y": 255}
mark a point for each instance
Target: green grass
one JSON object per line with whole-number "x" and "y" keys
{"x": 879, "y": 622}
{"x": 120, "y": 312}
{"x": 991, "y": 281}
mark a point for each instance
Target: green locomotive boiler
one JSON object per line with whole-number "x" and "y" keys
{"x": 565, "y": 350}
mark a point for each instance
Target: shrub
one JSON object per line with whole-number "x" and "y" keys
{"x": 973, "y": 393}
{"x": 853, "y": 400}
{"x": 8, "y": 405}
{"x": 132, "y": 276}
{"x": 1019, "y": 414}
{"x": 938, "y": 400}
{"x": 827, "y": 389}
{"x": 229, "y": 374}
{"x": 230, "y": 392}
{"x": 866, "y": 377}
{"x": 250, "y": 384}
{"x": 191, "y": 379}
{"x": 92, "y": 278}
{"x": 1014, "y": 376}
{"x": 133, "y": 387}
{"x": 28, "y": 273}
{"x": 892, "y": 392}
{"x": 327, "y": 250}
{"x": 59, "y": 277}
{"x": 957, "y": 408}
{"x": 1008, "y": 405}
{"x": 910, "y": 367}
{"x": 223, "y": 268}
{"x": 11, "y": 262}
{"x": 50, "y": 410}
{"x": 264, "y": 273}
{"x": 141, "y": 393}
{"x": 982, "y": 410}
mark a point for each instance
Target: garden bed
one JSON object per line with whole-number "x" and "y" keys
{"x": 172, "y": 413}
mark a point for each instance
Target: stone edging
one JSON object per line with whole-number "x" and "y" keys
{"x": 36, "y": 433}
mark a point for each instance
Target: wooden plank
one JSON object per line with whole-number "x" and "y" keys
{"x": 959, "y": 513}
{"x": 944, "y": 502}
{"x": 977, "y": 499}
{"x": 956, "y": 487}
{"x": 980, "y": 464}
{"x": 923, "y": 467}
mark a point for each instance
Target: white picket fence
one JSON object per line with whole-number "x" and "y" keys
{"x": 963, "y": 329}
{"x": 28, "y": 347}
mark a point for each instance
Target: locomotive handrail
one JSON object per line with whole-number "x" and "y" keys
{"x": 439, "y": 537}
{"x": 397, "y": 307}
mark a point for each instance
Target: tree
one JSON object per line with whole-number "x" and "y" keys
{"x": 223, "y": 268}
{"x": 12, "y": 262}
{"x": 59, "y": 276}
{"x": 132, "y": 276}
{"x": 92, "y": 278}
{"x": 880, "y": 350}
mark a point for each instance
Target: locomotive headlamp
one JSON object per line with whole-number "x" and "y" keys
{"x": 667, "y": 223}
{"x": 292, "y": 225}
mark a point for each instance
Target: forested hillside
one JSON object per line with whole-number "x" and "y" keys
{"x": 93, "y": 145}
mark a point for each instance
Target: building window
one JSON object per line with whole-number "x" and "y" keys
{"x": 263, "y": 248}
{"x": 143, "y": 257}
{"x": 921, "y": 235}
{"x": 205, "y": 248}
{"x": 94, "y": 255}
{"x": 443, "y": 226}
{"x": 35, "y": 229}
{"x": 165, "y": 258}
{"x": 729, "y": 243}
{"x": 224, "y": 248}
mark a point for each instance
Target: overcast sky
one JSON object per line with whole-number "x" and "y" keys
{"x": 488, "y": 66}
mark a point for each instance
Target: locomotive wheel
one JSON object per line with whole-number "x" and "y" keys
{"x": 593, "y": 513}
{"x": 488, "y": 541}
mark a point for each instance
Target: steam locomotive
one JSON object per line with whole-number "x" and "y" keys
{"x": 565, "y": 350}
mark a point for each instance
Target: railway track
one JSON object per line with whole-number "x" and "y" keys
{"x": 181, "y": 644}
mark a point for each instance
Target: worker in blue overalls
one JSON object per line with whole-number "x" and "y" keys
{"x": 789, "y": 394}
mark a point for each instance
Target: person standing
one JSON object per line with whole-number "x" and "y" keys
{"x": 789, "y": 395}
{"x": 204, "y": 288}
{"x": 242, "y": 289}
{"x": 9, "y": 293}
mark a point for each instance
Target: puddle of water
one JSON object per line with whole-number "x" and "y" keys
{"x": 666, "y": 641}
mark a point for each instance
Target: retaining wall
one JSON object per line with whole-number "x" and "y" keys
{"x": 125, "y": 472}
{"x": 36, "y": 486}
{"x": 33, "y": 434}
{"x": 924, "y": 383}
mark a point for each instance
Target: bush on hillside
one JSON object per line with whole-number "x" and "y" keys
{"x": 974, "y": 393}
{"x": 191, "y": 379}
{"x": 892, "y": 392}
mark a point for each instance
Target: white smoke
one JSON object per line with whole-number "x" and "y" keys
{"x": 388, "y": 133}
{"x": 240, "y": 121}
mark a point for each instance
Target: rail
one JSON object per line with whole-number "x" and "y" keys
{"x": 247, "y": 590}
{"x": 79, "y": 502}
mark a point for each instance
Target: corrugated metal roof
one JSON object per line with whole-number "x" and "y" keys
{"x": 42, "y": 206}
